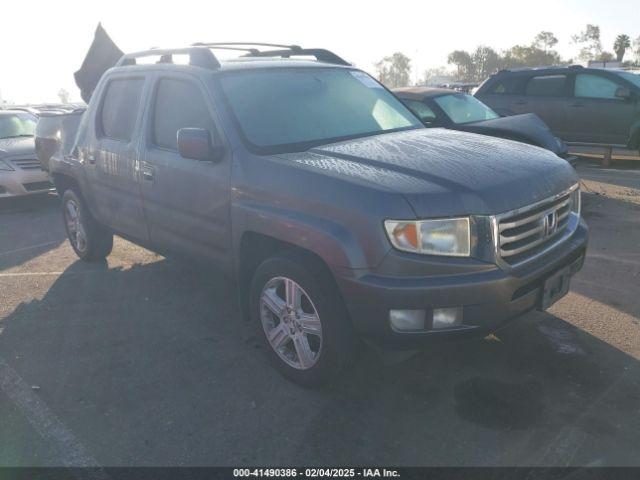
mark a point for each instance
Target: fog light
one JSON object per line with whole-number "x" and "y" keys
{"x": 447, "y": 317}
{"x": 407, "y": 320}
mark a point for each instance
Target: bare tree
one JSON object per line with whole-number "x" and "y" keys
{"x": 589, "y": 42}
{"x": 545, "y": 40}
{"x": 63, "y": 95}
{"x": 394, "y": 71}
{"x": 620, "y": 46}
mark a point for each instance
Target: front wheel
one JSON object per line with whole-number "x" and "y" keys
{"x": 304, "y": 324}
{"x": 90, "y": 240}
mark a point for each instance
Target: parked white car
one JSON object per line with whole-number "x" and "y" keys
{"x": 20, "y": 171}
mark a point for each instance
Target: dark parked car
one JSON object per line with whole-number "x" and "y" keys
{"x": 439, "y": 107}
{"x": 20, "y": 172}
{"x": 336, "y": 211}
{"x": 580, "y": 105}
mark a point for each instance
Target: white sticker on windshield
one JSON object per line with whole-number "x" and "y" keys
{"x": 365, "y": 79}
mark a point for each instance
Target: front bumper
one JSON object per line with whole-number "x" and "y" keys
{"x": 490, "y": 296}
{"x": 24, "y": 182}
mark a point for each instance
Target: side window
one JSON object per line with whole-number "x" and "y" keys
{"x": 120, "y": 106}
{"x": 546, "y": 86}
{"x": 179, "y": 104}
{"x": 595, "y": 86}
{"x": 423, "y": 112}
{"x": 506, "y": 86}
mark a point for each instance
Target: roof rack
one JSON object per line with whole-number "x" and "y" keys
{"x": 283, "y": 51}
{"x": 198, "y": 56}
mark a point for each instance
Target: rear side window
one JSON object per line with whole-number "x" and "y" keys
{"x": 595, "y": 86}
{"x": 505, "y": 86}
{"x": 120, "y": 108}
{"x": 179, "y": 104}
{"x": 546, "y": 86}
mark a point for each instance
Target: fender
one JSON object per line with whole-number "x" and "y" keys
{"x": 334, "y": 243}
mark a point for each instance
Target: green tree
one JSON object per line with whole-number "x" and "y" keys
{"x": 589, "y": 42}
{"x": 545, "y": 41}
{"x": 394, "y": 71}
{"x": 530, "y": 56}
{"x": 465, "y": 68}
{"x": 486, "y": 61}
{"x": 620, "y": 46}
{"x": 605, "y": 57}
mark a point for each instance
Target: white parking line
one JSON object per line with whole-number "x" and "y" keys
{"x": 23, "y": 249}
{"x": 70, "y": 451}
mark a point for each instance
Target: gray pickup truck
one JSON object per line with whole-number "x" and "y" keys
{"x": 339, "y": 215}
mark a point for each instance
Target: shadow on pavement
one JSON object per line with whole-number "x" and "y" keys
{"x": 152, "y": 366}
{"x": 28, "y": 229}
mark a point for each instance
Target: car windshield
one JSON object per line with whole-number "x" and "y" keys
{"x": 464, "y": 108}
{"x": 631, "y": 77}
{"x": 296, "y": 109}
{"x": 17, "y": 125}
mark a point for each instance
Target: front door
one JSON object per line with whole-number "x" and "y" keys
{"x": 595, "y": 114}
{"x": 186, "y": 201}
{"x": 111, "y": 158}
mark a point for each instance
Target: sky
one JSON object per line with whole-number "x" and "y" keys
{"x": 42, "y": 42}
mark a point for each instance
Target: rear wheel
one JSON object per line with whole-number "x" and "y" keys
{"x": 304, "y": 325}
{"x": 90, "y": 240}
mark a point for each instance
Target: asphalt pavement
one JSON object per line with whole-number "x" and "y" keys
{"x": 142, "y": 360}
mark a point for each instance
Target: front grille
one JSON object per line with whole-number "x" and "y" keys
{"x": 36, "y": 186}
{"x": 27, "y": 164}
{"x": 525, "y": 233}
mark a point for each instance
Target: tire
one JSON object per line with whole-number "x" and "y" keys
{"x": 91, "y": 241}
{"x": 295, "y": 328}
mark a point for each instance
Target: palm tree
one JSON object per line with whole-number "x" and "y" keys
{"x": 620, "y": 46}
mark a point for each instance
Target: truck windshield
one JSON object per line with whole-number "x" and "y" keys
{"x": 17, "y": 125}
{"x": 288, "y": 110}
{"x": 463, "y": 108}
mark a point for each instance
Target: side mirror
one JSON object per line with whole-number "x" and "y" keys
{"x": 195, "y": 143}
{"x": 623, "y": 92}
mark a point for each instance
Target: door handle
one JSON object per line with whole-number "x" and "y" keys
{"x": 577, "y": 104}
{"x": 521, "y": 102}
{"x": 147, "y": 171}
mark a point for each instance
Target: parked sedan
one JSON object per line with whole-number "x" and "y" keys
{"x": 439, "y": 107}
{"x": 20, "y": 171}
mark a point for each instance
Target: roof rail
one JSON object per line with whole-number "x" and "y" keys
{"x": 284, "y": 51}
{"x": 198, "y": 56}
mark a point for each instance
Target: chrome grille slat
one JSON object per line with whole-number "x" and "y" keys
{"x": 517, "y": 223}
{"x": 29, "y": 164}
{"x": 529, "y": 246}
{"x": 525, "y": 233}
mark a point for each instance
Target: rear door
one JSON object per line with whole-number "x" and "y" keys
{"x": 112, "y": 156}
{"x": 595, "y": 114}
{"x": 186, "y": 201}
{"x": 546, "y": 96}
{"x": 502, "y": 93}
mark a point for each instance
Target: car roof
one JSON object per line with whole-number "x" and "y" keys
{"x": 420, "y": 93}
{"x": 555, "y": 69}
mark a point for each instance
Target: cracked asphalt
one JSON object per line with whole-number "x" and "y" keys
{"x": 145, "y": 361}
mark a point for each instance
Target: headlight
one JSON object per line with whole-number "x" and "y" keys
{"x": 450, "y": 237}
{"x": 4, "y": 166}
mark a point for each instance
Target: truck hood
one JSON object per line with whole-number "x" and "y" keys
{"x": 446, "y": 173}
{"x": 17, "y": 146}
{"x": 527, "y": 126}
